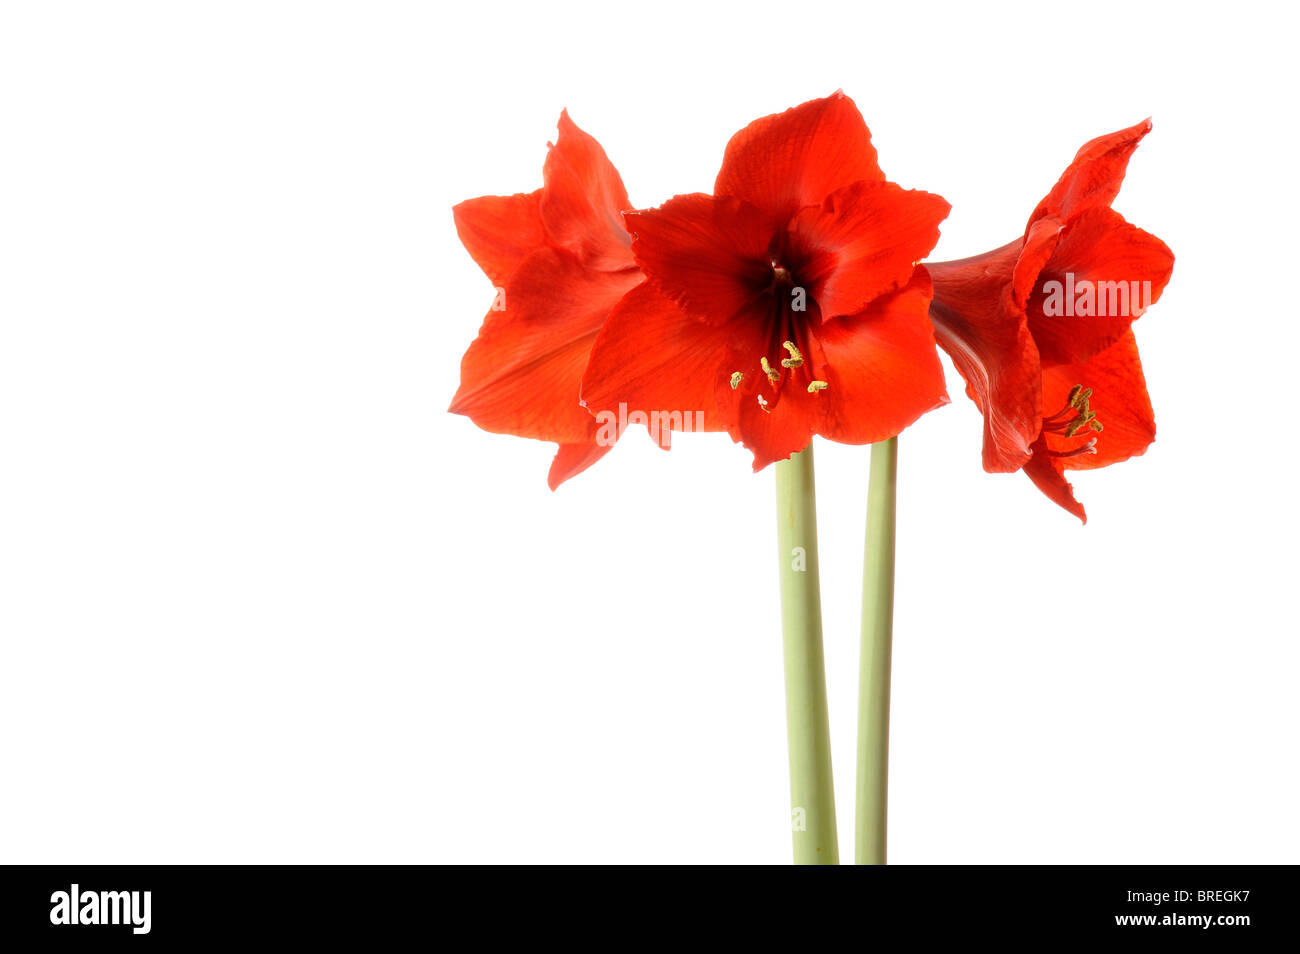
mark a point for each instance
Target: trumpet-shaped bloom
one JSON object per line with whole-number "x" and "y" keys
{"x": 560, "y": 260}
{"x": 1040, "y": 328}
{"x": 787, "y": 303}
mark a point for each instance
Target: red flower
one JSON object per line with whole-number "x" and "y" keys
{"x": 560, "y": 260}
{"x": 1039, "y": 328}
{"x": 787, "y": 303}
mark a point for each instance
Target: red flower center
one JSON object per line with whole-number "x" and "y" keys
{"x": 786, "y": 309}
{"x": 782, "y": 279}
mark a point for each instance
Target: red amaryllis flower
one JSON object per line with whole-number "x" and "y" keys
{"x": 787, "y": 303}
{"x": 1039, "y": 329}
{"x": 559, "y": 259}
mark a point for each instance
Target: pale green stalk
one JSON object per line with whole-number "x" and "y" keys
{"x": 877, "y": 647}
{"x": 812, "y": 796}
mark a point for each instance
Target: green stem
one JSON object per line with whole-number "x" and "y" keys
{"x": 812, "y": 795}
{"x": 877, "y": 648}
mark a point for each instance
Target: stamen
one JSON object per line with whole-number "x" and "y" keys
{"x": 1088, "y": 448}
{"x": 773, "y": 375}
{"x": 736, "y": 378}
{"x": 1075, "y": 416}
{"x": 795, "y": 360}
{"x": 815, "y": 386}
{"x": 1080, "y": 422}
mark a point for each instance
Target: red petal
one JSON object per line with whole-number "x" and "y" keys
{"x": 652, "y": 358}
{"x": 1122, "y": 405}
{"x": 863, "y": 242}
{"x": 1046, "y": 473}
{"x": 1119, "y": 398}
{"x": 521, "y": 375}
{"x": 784, "y": 162}
{"x": 882, "y": 372}
{"x": 709, "y": 255}
{"x": 979, "y": 323}
{"x": 1094, "y": 177}
{"x": 1040, "y": 243}
{"x": 882, "y": 367}
{"x": 573, "y": 459}
{"x": 1125, "y": 269}
{"x": 499, "y": 231}
{"x": 785, "y": 429}
{"x": 583, "y": 200}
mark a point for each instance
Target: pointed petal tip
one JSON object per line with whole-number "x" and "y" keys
{"x": 1071, "y": 505}
{"x": 1138, "y": 131}
{"x": 1132, "y": 133}
{"x": 1076, "y": 510}
{"x": 572, "y": 459}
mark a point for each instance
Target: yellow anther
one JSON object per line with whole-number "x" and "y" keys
{"x": 736, "y": 378}
{"x": 773, "y": 375}
{"x": 1084, "y": 419}
{"x": 795, "y": 360}
{"x": 815, "y": 386}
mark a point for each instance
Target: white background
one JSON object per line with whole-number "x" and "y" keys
{"x": 263, "y": 599}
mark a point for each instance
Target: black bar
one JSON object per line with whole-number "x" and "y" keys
{"x": 385, "y": 905}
